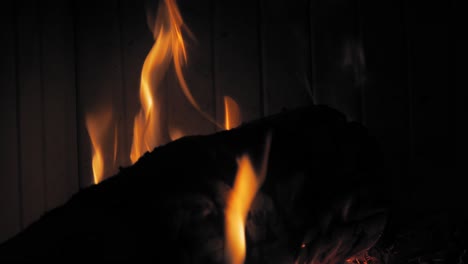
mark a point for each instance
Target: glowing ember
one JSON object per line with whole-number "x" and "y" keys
{"x": 347, "y": 240}
{"x": 232, "y": 116}
{"x": 246, "y": 185}
{"x": 362, "y": 258}
{"x": 98, "y": 125}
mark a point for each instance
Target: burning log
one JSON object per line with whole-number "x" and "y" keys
{"x": 320, "y": 201}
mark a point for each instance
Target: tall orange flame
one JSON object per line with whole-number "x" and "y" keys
{"x": 232, "y": 116}
{"x": 246, "y": 185}
{"x": 169, "y": 46}
{"x": 98, "y": 126}
{"x": 148, "y": 133}
{"x": 146, "y": 129}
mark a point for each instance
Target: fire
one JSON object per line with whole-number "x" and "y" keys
{"x": 168, "y": 50}
{"x": 175, "y": 133}
{"x": 246, "y": 185}
{"x": 146, "y": 129}
{"x": 239, "y": 201}
{"x": 232, "y": 116}
{"x": 169, "y": 46}
{"x": 98, "y": 125}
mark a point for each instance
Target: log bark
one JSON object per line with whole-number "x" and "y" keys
{"x": 324, "y": 181}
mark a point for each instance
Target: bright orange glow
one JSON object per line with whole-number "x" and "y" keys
{"x": 98, "y": 125}
{"x": 232, "y": 116}
{"x": 246, "y": 185}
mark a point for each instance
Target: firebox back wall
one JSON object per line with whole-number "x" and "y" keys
{"x": 391, "y": 65}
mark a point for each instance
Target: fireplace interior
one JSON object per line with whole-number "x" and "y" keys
{"x": 364, "y": 101}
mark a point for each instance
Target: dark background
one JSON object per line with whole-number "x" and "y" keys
{"x": 394, "y": 66}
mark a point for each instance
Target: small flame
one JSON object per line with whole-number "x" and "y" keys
{"x": 175, "y": 133}
{"x": 246, "y": 185}
{"x": 232, "y": 116}
{"x": 97, "y": 126}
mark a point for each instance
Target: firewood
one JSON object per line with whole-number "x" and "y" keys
{"x": 169, "y": 205}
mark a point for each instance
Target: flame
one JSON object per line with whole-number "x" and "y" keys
{"x": 97, "y": 126}
{"x": 175, "y": 133}
{"x": 180, "y": 54}
{"x": 232, "y": 116}
{"x": 169, "y": 46}
{"x": 246, "y": 185}
{"x": 146, "y": 129}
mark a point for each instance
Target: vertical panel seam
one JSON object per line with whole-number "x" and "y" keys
{"x": 361, "y": 65}
{"x": 406, "y": 28}
{"x": 313, "y": 59}
{"x": 77, "y": 92}
{"x": 310, "y": 71}
{"x": 261, "y": 70}
{"x": 40, "y": 32}
{"x": 18, "y": 114}
{"x": 126, "y": 147}
{"x": 215, "y": 88}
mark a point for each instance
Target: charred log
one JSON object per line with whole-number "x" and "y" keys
{"x": 324, "y": 184}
